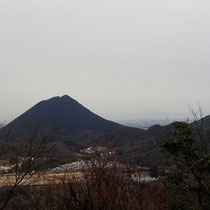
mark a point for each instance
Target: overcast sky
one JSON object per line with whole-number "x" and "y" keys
{"x": 120, "y": 58}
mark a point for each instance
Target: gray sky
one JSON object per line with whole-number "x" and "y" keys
{"x": 120, "y": 58}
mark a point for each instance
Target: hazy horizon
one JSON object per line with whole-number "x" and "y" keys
{"x": 120, "y": 59}
{"x": 138, "y": 117}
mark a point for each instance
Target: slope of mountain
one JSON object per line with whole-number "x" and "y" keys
{"x": 129, "y": 142}
{"x": 1, "y": 125}
{"x": 64, "y": 114}
{"x": 134, "y": 143}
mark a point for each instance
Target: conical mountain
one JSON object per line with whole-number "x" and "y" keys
{"x": 63, "y": 113}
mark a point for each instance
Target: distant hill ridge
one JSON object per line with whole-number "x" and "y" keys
{"x": 63, "y": 113}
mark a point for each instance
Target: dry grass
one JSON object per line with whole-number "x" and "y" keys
{"x": 10, "y": 179}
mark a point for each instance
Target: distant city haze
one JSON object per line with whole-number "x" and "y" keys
{"x": 121, "y": 59}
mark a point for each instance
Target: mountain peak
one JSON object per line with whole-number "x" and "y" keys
{"x": 66, "y": 96}
{"x": 63, "y": 113}
{"x": 58, "y": 99}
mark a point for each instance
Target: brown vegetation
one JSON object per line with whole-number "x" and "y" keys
{"x": 99, "y": 188}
